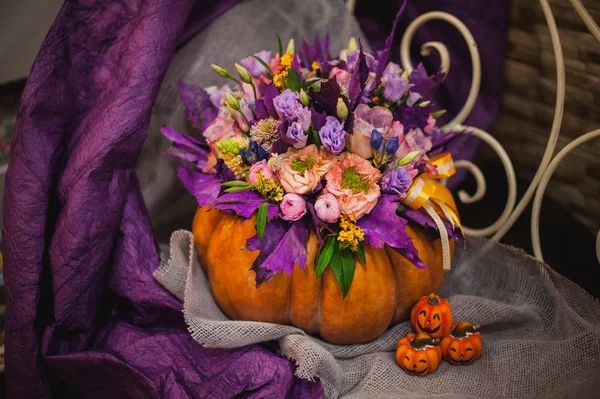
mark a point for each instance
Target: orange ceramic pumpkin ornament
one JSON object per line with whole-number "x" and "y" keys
{"x": 432, "y": 315}
{"x": 418, "y": 354}
{"x": 463, "y": 345}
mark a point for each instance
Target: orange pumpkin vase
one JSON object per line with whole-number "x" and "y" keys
{"x": 382, "y": 292}
{"x": 418, "y": 354}
{"x": 463, "y": 345}
{"x": 432, "y": 315}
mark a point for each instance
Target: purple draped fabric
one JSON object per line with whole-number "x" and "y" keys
{"x": 84, "y": 315}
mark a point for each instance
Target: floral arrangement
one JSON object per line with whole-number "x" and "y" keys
{"x": 339, "y": 146}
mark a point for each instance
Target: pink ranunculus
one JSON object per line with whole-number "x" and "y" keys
{"x": 275, "y": 64}
{"x": 222, "y": 128}
{"x": 293, "y": 207}
{"x": 356, "y": 200}
{"x": 365, "y": 120}
{"x": 302, "y": 170}
{"x": 327, "y": 208}
{"x": 259, "y": 167}
{"x": 396, "y": 130}
{"x": 414, "y": 140}
{"x": 430, "y": 125}
{"x": 342, "y": 77}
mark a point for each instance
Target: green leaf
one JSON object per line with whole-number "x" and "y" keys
{"x": 294, "y": 81}
{"x": 343, "y": 265}
{"x": 400, "y": 208}
{"x": 235, "y": 183}
{"x": 315, "y": 137}
{"x": 309, "y": 82}
{"x": 315, "y": 88}
{"x": 326, "y": 255}
{"x": 279, "y": 45}
{"x": 261, "y": 220}
{"x": 265, "y": 65}
{"x": 361, "y": 253}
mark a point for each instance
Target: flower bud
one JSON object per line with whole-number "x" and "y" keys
{"x": 437, "y": 114}
{"x": 341, "y": 109}
{"x": 220, "y": 71}
{"x": 352, "y": 45}
{"x": 376, "y": 139}
{"x": 304, "y": 98}
{"x": 228, "y": 147}
{"x": 424, "y": 103}
{"x": 392, "y": 145}
{"x": 243, "y": 73}
{"x": 232, "y": 101}
{"x": 290, "y": 47}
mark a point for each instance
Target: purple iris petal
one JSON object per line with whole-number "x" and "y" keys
{"x": 333, "y": 136}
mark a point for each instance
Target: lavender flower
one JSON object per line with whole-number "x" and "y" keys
{"x": 353, "y": 58}
{"x": 333, "y": 136}
{"x": 395, "y": 88}
{"x": 376, "y": 139}
{"x": 398, "y": 180}
{"x": 288, "y": 107}
{"x": 295, "y": 135}
{"x": 254, "y": 67}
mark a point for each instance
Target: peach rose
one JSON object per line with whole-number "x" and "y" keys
{"x": 365, "y": 120}
{"x": 353, "y": 181}
{"x": 222, "y": 128}
{"x": 302, "y": 170}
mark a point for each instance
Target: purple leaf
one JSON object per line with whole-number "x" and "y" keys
{"x": 205, "y": 187}
{"x": 451, "y": 142}
{"x": 413, "y": 117}
{"x": 245, "y": 204}
{"x": 326, "y": 99}
{"x": 383, "y": 227}
{"x": 280, "y": 248}
{"x": 420, "y": 217}
{"x": 318, "y": 118}
{"x": 198, "y": 108}
{"x": 424, "y": 84}
{"x": 185, "y": 147}
{"x": 358, "y": 80}
{"x": 269, "y": 94}
{"x": 261, "y": 109}
{"x": 384, "y": 54}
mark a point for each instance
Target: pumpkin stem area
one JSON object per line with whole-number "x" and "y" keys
{"x": 464, "y": 327}
{"x": 433, "y": 300}
{"x": 422, "y": 340}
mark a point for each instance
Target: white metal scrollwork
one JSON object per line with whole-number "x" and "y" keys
{"x": 548, "y": 164}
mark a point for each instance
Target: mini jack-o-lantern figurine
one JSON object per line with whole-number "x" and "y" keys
{"x": 432, "y": 315}
{"x": 463, "y": 345}
{"x": 418, "y": 354}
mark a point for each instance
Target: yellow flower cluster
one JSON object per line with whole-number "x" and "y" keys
{"x": 230, "y": 153}
{"x": 235, "y": 164}
{"x": 350, "y": 234}
{"x": 280, "y": 79}
{"x": 269, "y": 188}
{"x": 315, "y": 66}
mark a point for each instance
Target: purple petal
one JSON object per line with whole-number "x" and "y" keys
{"x": 424, "y": 84}
{"x": 269, "y": 94}
{"x": 198, "y": 107}
{"x": 358, "y": 79}
{"x": 384, "y": 54}
{"x": 279, "y": 248}
{"x": 245, "y": 204}
{"x": 420, "y": 217}
{"x": 383, "y": 227}
{"x": 185, "y": 147}
{"x": 326, "y": 99}
{"x": 205, "y": 187}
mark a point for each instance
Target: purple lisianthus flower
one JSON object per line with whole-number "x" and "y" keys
{"x": 353, "y": 58}
{"x": 216, "y": 94}
{"x": 288, "y": 107}
{"x": 254, "y": 67}
{"x": 333, "y": 136}
{"x": 295, "y": 135}
{"x": 399, "y": 180}
{"x": 395, "y": 88}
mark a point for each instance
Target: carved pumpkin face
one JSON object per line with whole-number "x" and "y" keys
{"x": 432, "y": 315}
{"x": 418, "y": 354}
{"x": 463, "y": 345}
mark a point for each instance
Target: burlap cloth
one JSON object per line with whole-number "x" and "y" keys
{"x": 541, "y": 332}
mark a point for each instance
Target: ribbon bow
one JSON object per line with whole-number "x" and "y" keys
{"x": 425, "y": 193}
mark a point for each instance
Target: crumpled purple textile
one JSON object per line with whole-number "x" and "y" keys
{"x": 85, "y": 318}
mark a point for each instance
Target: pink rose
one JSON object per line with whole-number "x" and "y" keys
{"x": 353, "y": 181}
{"x": 302, "y": 170}
{"x": 430, "y": 124}
{"x": 342, "y": 77}
{"x": 414, "y": 140}
{"x": 365, "y": 120}
{"x": 327, "y": 208}
{"x": 259, "y": 167}
{"x": 293, "y": 207}
{"x": 222, "y": 128}
{"x": 395, "y": 130}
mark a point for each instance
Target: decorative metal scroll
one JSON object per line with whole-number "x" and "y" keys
{"x": 548, "y": 163}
